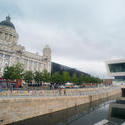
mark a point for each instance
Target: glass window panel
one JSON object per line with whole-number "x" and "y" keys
{"x": 119, "y": 67}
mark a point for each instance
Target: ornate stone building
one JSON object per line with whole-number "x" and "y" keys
{"x": 11, "y": 52}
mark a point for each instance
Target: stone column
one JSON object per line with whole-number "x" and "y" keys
{"x": 12, "y": 39}
{"x": 0, "y": 34}
{"x": 27, "y": 64}
{"x": 3, "y": 36}
{"x": 37, "y": 66}
{"x": 8, "y": 37}
{"x": 32, "y": 66}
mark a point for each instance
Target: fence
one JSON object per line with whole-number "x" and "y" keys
{"x": 59, "y": 92}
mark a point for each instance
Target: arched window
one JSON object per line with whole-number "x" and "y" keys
{"x": 5, "y": 36}
{"x": 0, "y": 34}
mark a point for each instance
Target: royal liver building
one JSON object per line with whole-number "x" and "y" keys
{"x": 11, "y": 52}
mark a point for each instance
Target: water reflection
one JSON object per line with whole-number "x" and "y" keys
{"x": 78, "y": 115}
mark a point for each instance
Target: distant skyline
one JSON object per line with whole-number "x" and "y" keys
{"x": 83, "y": 34}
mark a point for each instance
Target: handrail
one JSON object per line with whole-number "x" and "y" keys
{"x": 59, "y": 92}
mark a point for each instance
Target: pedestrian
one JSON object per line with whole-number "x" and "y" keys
{"x": 59, "y": 91}
{"x": 64, "y": 91}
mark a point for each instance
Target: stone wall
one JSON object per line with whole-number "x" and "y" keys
{"x": 20, "y": 108}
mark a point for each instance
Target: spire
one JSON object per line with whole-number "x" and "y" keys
{"x": 8, "y": 18}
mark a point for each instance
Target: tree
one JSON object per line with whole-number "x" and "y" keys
{"x": 66, "y": 77}
{"x": 80, "y": 79}
{"x": 56, "y": 78}
{"x": 37, "y": 77}
{"x": 8, "y": 73}
{"x": 86, "y": 79}
{"x": 19, "y": 69}
{"x": 14, "y": 72}
{"x": 74, "y": 78}
{"x": 91, "y": 79}
{"x": 28, "y": 76}
{"x": 46, "y": 76}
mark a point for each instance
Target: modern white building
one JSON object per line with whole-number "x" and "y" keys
{"x": 116, "y": 68}
{"x": 11, "y": 52}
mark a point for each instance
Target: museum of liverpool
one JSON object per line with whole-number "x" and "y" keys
{"x": 116, "y": 69}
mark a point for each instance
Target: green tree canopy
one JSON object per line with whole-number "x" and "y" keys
{"x": 91, "y": 79}
{"x": 74, "y": 78}
{"x": 28, "y": 76}
{"x": 14, "y": 72}
{"x": 37, "y": 76}
{"x": 46, "y": 76}
{"x": 80, "y": 79}
{"x": 56, "y": 78}
{"x": 66, "y": 77}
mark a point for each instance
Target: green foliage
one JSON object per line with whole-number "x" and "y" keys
{"x": 14, "y": 72}
{"x": 66, "y": 77}
{"x": 56, "y": 78}
{"x": 74, "y": 78}
{"x": 28, "y": 76}
{"x": 87, "y": 79}
{"x": 91, "y": 79}
{"x": 80, "y": 79}
{"x": 38, "y": 77}
{"x": 8, "y": 72}
{"x": 46, "y": 76}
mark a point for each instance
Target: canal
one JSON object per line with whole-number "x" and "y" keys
{"x": 86, "y": 114}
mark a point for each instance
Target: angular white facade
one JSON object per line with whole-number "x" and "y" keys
{"x": 11, "y": 52}
{"x": 116, "y": 68}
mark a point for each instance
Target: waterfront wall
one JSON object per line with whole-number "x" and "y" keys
{"x": 20, "y": 108}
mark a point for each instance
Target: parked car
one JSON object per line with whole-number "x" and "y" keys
{"x": 63, "y": 87}
{"x": 75, "y": 86}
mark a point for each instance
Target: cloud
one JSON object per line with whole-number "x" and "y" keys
{"x": 82, "y": 34}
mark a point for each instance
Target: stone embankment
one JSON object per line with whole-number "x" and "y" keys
{"x": 16, "y": 108}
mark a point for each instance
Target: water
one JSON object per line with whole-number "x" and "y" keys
{"x": 86, "y": 114}
{"x": 95, "y": 115}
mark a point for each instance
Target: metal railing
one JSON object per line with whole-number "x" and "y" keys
{"x": 58, "y": 92}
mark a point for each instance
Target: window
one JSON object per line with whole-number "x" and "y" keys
{"x": 118, "y": 67}
{"x": 1, "y": 55}
{"x": 17, "y": 59}
{"x": 0, "y": 34}
{"x": 5, "y": 36}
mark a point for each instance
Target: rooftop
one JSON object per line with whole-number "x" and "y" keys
{"x": 7, "y": 22}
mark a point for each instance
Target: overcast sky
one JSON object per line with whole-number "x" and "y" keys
{"x": 83, "y": 34}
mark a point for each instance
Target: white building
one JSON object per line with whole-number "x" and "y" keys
{"x": 11, "y": 52}
{"x": 116, "y": 69}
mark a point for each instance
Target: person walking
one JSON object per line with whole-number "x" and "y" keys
{"x": 64, "y": 91}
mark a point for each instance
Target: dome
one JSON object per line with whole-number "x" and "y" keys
{"x": 7, "y": 23}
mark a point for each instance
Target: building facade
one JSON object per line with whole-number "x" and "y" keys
{"x": 116, "y": 68}
{"x": 11, "y": 52}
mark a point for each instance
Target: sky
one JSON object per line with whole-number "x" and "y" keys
{"x": 82, "y": 34}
